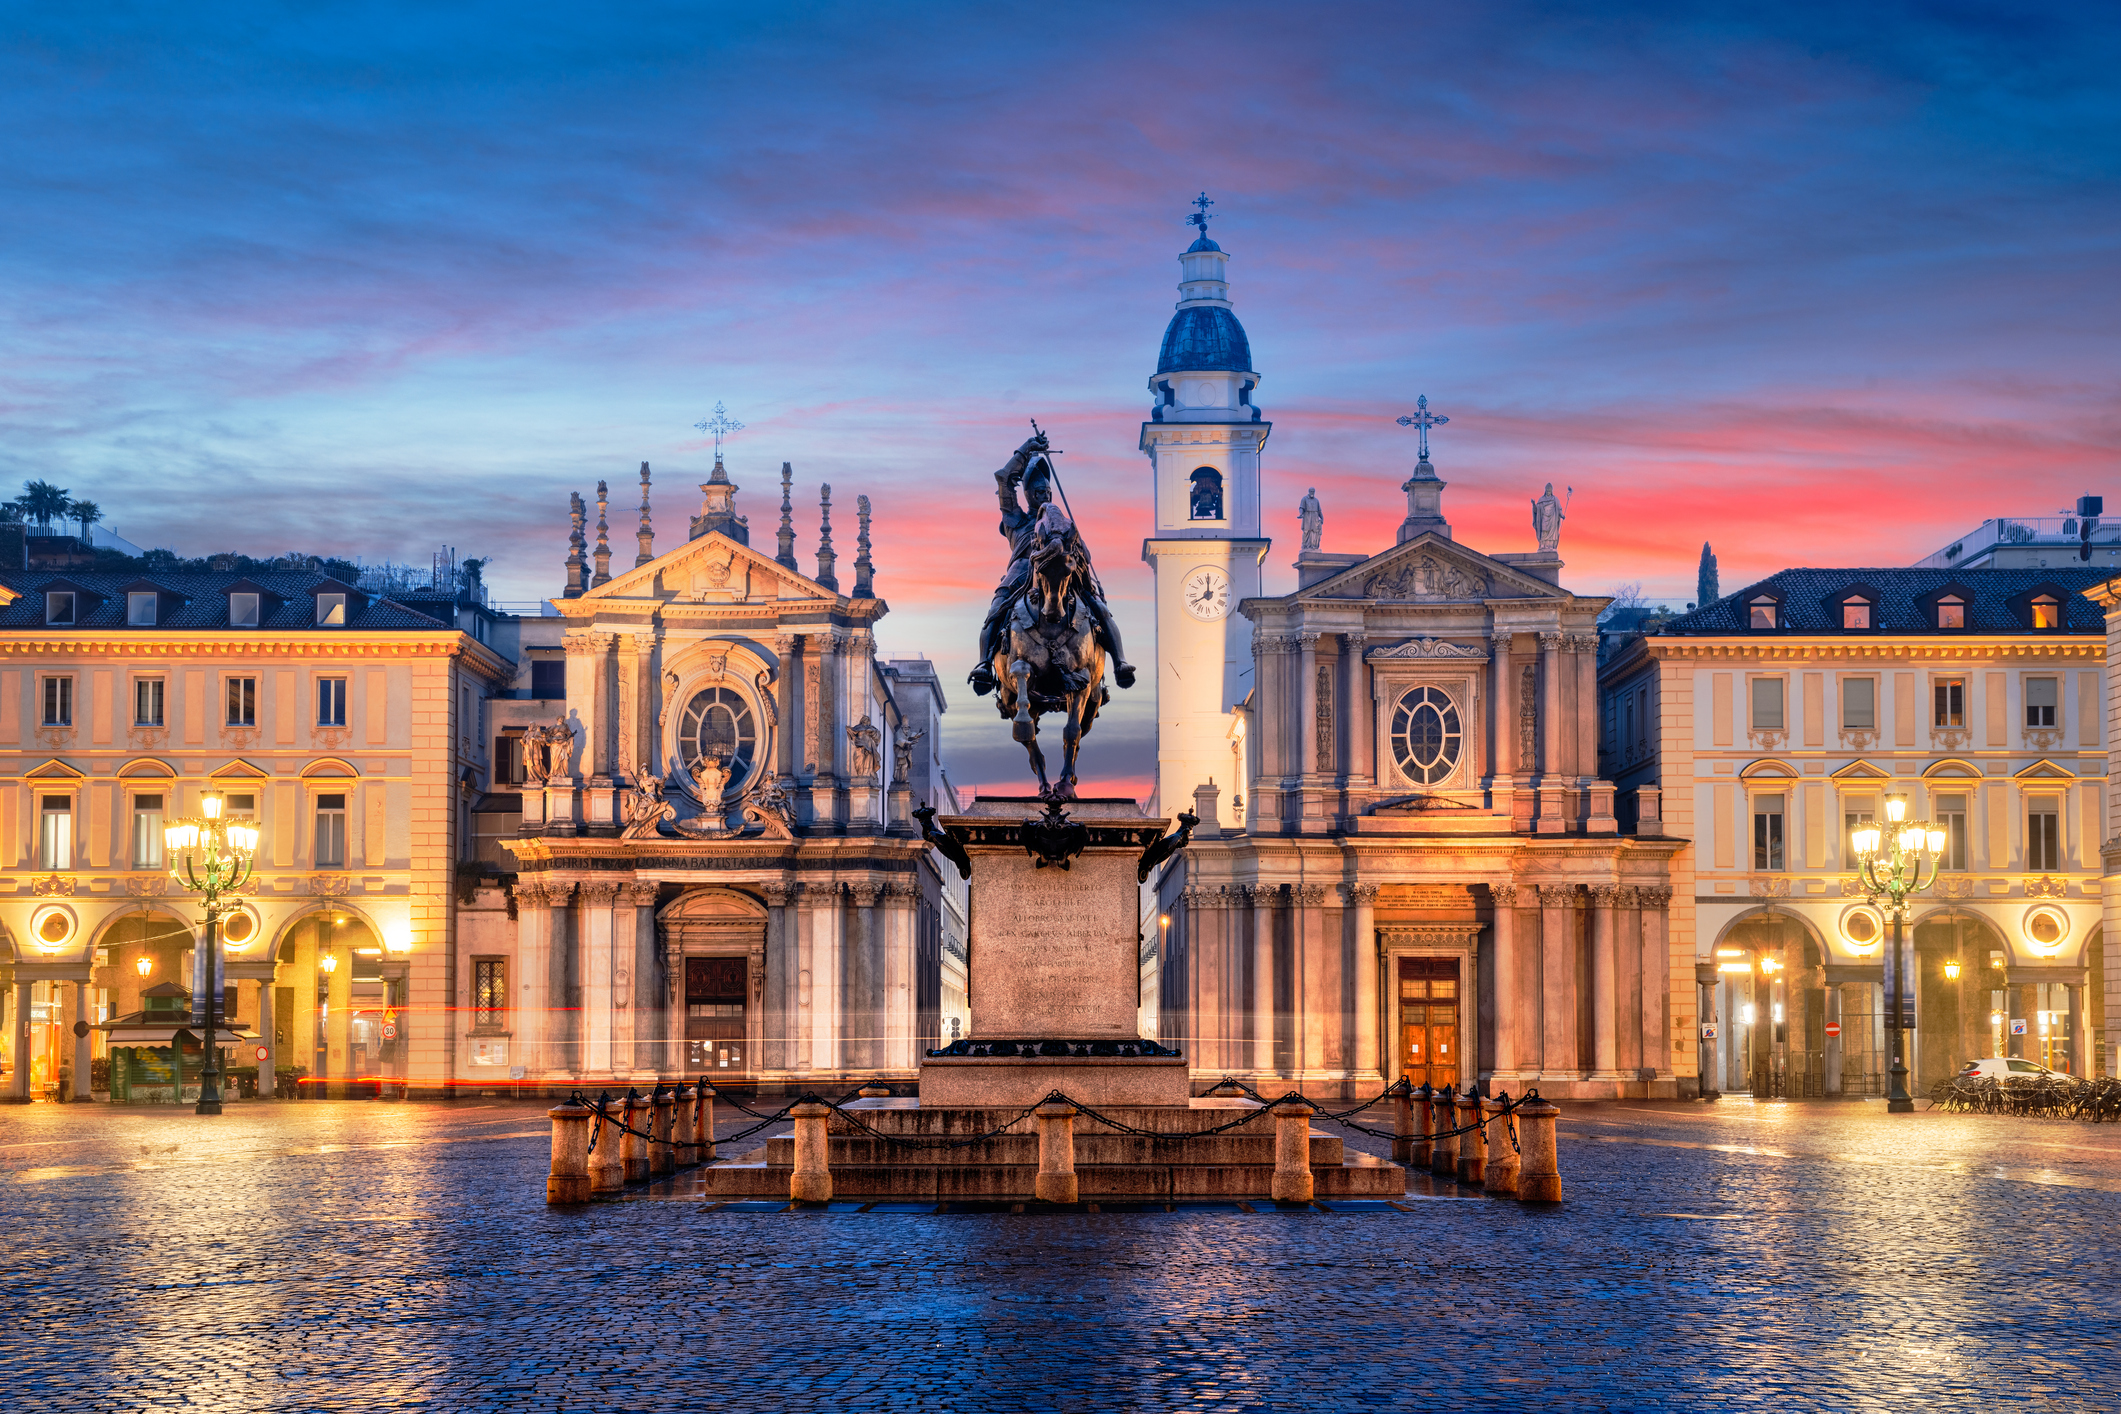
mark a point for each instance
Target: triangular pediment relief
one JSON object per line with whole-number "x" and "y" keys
{"x": 2046, "y": 771}
{"x": 1857, "y": 771}
{"x": 243, "y": 769}
{"x": 1431, "y": 570}
{"x": 713, "y": 569}
{"x": 55, "y": 769}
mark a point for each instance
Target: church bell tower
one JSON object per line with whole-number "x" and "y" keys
{"x": 1203, "y": 440}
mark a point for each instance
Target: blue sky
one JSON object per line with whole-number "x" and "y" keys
{"x": 1819, "y": 284}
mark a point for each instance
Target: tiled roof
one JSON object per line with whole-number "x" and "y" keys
{"x": 205, "y": 601}
{"x": 1810, "y": 598}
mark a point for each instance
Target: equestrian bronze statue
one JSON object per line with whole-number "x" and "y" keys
{"x": 1048, "y": 632}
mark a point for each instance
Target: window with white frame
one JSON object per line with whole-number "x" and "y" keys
{"x": 1764, "y": 612}
{"x": 55, "y": 832}
{"x": 1426, "y": 735}
{"x": 242, "y": 702}
{"x": 1951, "y": 612}
{"x": 1949, "y": 814}
{"x": 148, "y": 698}
{"x": 58, "y": 702}
{"x": 243, "y": 610}
{"x": 1767, "y": 832}
{"x": 331, "y": 831}
{"x": 2043, "y": 833}
{"x": 1857, "y": 812}
{"x": 2041, "y": 697}
{"x": 1859, "y": 704}
{"x": 140, "y": 608}
{"x": 2046, "y": 611}
{"x": 1855, "y": 612}
{"x": 331, "y": 609}
{"x": 59, "y": 606}
{"x": 331, "y": 702}
{"x": 1767, "y": 704}
{"x": 147, "y": 831}
{"x": 1948, "y": 702}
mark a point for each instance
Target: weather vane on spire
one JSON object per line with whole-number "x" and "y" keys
{"x": 1201, "y": 218}
{"x": 721, "y": 425}
{"x": 1424, "y": 420}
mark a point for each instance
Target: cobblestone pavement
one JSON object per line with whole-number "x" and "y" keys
{"x": 370, "y": 1256}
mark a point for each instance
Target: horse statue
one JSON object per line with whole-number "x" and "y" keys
{"x": 1052, "y": 659}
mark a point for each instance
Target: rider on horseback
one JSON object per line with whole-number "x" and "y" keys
{"x": 1031, "y": 468}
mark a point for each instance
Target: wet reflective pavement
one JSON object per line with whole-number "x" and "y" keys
{"x": 365, "y": 1255}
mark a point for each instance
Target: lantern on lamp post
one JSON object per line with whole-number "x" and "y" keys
{"x": 211, "y": 856}
{"x": 1894, "y": 863}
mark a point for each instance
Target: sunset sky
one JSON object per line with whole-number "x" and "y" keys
{"x": 1821, "y": 285}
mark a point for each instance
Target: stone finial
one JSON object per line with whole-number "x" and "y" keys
{"x": 785, "y": 556}
{"x": 825, "y": 558}
{"x": 718, "y": 508}
{"x": 864, "y": 575}
{"x": 577, "y": 561}
{"x": 603, "y": 574}
{"x": 646, "y": 534}
{"x": 1206, "y": 805}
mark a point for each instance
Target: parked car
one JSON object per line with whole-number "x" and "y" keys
{"x": 2006, "y": 1068}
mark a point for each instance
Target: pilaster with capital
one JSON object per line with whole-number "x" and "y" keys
{"x": 1557, "y": 983}
{"x": 1316, "y": 1005}
{"x": 1605, "y": 989}
{"x": 1359, "y": 916}
{"x": 1509, "y": 990}
{"x": 1264, "y": 903}
{"x": 1657, "y": 1030}
{"x": 790, "y": 673}
{"x": 1355, "y": 708}
{"x": 777, "y": 1019}
{"x": 1308, "y": 755}
{"x": 1551, "y": 648}
{"x": 1502, "y": 706}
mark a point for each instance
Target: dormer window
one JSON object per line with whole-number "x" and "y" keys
{"x": 331, "y": 610}
{"x": 2046, "y": 611}
{"x": 59, "y": 606}
{"x": 243, "y": 611}
{"x": 1856, "y": 612}
{"x": 140, "y": 609}
{"x": 1764, "y": 612}
{"x": 1951, "y": 611}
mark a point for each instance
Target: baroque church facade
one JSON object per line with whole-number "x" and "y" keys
{"x": 1407, "y": 864}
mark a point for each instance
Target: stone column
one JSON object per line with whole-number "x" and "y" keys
{"x": 802, "y": 979}
{"x": 1263, "y": 903}
{"x": 862, "y": 978}
{"x": 1361, "y": 903}
{"x": 1508, "y": 1017}
{"x": 780, "y": 968}
{"x": 1502, "y": 711}
{"x": 1657, "y": 980}
{"x": 1307, "y": 704}
{"x": 82, "y": 1090}
{"x": 1551, "y": 762}
{"x": 658, "y": 984}
{"x": 268, "y": 1037}
{"x": 562, "y": 1021}
{"x": 1356, "y": 711}
{"x": 1557, "y": 969}
{"x": 1605, "y": 989}
{"x": 1316, "y": 1001}
{"x": 790, "y": 671}
{"x": 528, "y": 999}
{"x": 1586, "y": 654}
{"x": 19, "y": 1024}
{"x": 1196, "y": 921}
{"x": 605, "y": 1032}
{"x": 902, "y": 917}
{"x": 632, "y": 755}
{"x": 828, "y": 1019}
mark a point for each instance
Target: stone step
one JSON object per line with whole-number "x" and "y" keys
{"x": 1091, "y": 1149}
{"x": 1356, "y": 1176}
{"x": 908, "y": 1118}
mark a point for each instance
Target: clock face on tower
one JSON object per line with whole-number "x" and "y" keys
{"x": 1207, "y": 593}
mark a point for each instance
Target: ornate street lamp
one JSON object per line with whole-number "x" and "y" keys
{"x": 211, "y": 856}
{"x": 1892, "y": 866}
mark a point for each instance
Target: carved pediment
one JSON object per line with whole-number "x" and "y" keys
{"x": 712, "y": 569}
{"x": 1432, "y": 570}
{"x": 1427, "y": 648}
{"x": 1424, "y": 578}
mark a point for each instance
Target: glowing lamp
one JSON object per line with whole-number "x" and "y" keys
{"x": 328, "y": 964}
{"x": 1896, "y": 808}
{"x": 1951, "y": 969}
{"x": 398, "y": 939}
{"x": 1866, "y": 840}
{"x": 1938, "y": 839}
{"x": 1748, "y": 1014}
{"x": 213, "y": 802}
{"x": 143, "y": 964}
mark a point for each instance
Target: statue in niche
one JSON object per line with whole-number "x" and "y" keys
{"x": 1547, "y": 516}
{"x": 902, "y": 756}
{"x": 864, "y": 744}
{"x": 1314, "y": 519}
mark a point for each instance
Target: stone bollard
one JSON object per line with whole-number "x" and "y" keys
{"x": 1292, "y": 1152}
{"x": 703, "y": 1129}
{"x": 683, "y": 1142}
{"x": 1539, "y": 1180}
{"x": 607, "y": 1161}
{"x": 570, "y": 1154}
{"x": 1444, "y": 1153}
{"x": 1501, "y": 1177}
{"x": 633, "y": 1148}
{"x": 662, "y": 1150}
{"x": 1473, "y": 1144}
{"x": 1403, "y": 1127}
{"x": 1056, "y": 1154}
{"x": 1425, "y": 1113}
{"x": 812, "y": 1180}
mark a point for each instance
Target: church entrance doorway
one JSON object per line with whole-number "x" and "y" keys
{"x": 1429, "y": 1020}
{"x": 714, "y": 1013}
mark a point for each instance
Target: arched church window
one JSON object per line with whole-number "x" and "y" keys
{"x": 1426, "y": 736}
{"x": 1207, "y": 498}
{"x": 720, "y": 721}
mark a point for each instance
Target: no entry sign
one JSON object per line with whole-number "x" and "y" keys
{"x": 1833, "y": 1028}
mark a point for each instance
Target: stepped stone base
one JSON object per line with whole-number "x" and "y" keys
{"x": 996, "y": 1083}
{"x": 1109, "y": 1166}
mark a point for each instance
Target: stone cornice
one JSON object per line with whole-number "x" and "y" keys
{"x": 143, "y": 645}
{"x": 1781, "y": 649}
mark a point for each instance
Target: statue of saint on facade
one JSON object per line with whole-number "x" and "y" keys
{"x": 864, "y": 747}
{"x": 546, "y": 749}
{"x": 1546, "y": 520}
{"x": 709, "y": 782}
{"x": 645, "y": 806}
{"x": 1044, "y": 645}
{"x": 902, "y": 756}
{"x": 1314, "y": 519}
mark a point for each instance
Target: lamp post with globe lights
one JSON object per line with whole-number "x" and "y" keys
{"x": 211, "y": 856}
{"x": 1893, "y": 864}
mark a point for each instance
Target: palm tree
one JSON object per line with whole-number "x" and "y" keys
{"x": 44, "y": 503}
{"x": 86, "y": 512}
